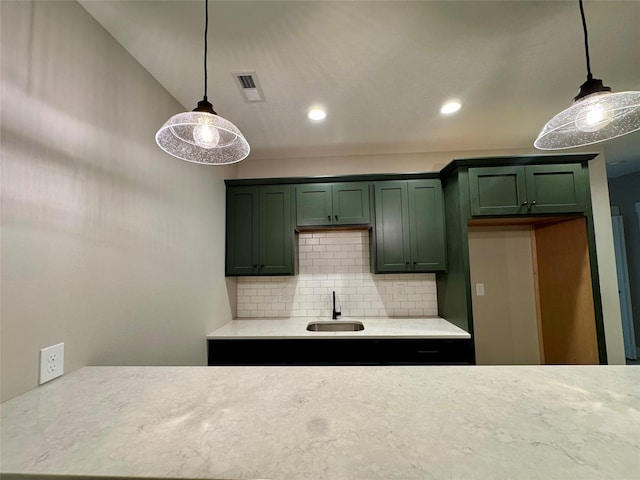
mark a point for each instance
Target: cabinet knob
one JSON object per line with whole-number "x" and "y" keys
{"x": 524, "y": 204}
{"x": 336, "y": 217}
{"x": 262, "y": 266}
{"x": 255, "y": 265}
{"x": 415, "y": 263}
{"x": 329, "y": 217}
{"x": 407, "y": 263}
{"x": 533, "y": 202}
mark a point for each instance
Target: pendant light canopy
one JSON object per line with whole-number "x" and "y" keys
{"x": 201, "y": 136}
{"x": 595, "y": 116}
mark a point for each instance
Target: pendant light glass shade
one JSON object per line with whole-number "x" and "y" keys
{"x": 592, "y": 119}
{"x": 596, "y": 115}
{"x": 202, "y": 137}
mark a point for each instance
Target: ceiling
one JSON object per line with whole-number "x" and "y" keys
{"x": 382, "y": 69}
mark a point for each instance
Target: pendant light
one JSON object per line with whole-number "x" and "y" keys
{"x": 201, "y": 136}
{"x": 596, "y": 115}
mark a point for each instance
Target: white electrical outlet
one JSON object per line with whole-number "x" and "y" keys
{"x": 51, "y": 362}
{"x": 480, "y": 289}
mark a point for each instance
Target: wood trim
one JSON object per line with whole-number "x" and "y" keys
{"x": 536, "y": 287}
{"x": 566, "y": 294}
{"x": 520, "y": 220}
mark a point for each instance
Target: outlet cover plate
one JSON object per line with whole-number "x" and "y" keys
{"x": 51, "y": 362}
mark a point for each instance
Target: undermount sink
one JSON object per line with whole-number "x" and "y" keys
{"x": 335, "y": 326}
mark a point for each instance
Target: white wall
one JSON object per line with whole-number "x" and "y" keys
{"x": 337, "y": 262}
{"x": 108, "y": 244}
{"x": 606, "y": 261}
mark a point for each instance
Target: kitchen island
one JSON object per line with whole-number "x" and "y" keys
{"x": 329, "y": 423}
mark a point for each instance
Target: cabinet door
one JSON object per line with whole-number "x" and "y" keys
{"x": 351, "y": 203}
{"x": 242, "y": 231}
{"x": 555, "y": 188}
{"x": 391, "y": 230}
{"x": 426, "y": 226}
{"x": 313, "y": 204}
{"x": 276, "y": 231}
{"x": 497, "y": 190}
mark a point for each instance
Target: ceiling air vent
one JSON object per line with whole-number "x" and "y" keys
{"x": 249, "y": 86}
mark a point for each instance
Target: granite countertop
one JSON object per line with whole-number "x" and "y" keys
{"x": 374, "y": 327}
{"x": 551, "y": 423}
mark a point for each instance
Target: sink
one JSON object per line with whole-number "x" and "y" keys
{"x": 335, "y": 326}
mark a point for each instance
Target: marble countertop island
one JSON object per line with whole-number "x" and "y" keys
{"x": 374, "y": 327}
{"x": 548, "y": 423}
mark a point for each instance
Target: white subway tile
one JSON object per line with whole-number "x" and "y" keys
{"x": 336, "y": 261}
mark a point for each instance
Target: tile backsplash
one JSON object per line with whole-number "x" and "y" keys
{"x": 337, "y": 261}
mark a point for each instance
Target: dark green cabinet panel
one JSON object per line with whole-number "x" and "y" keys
{"x": 351, "y": 203}
{"x": 528, "y": 189}
{"x": 392, "y": 243}
{"x": 555, "y": 188}
{"x": 409, "y": 229}
{"x": 276, "y": 238}
{"x": 497, "y": 190}
{"x": 426, "y": 226}
{"x": 242, "y": 231}
{"x": 324, "y": 204}
{"x": 259, "y": 231}
{"x": 313, "y": 204}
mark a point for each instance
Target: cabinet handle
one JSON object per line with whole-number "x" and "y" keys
{"x": 524, "y": 204}
{"x": 262, "y": 266}
{"x": 329, "y": 217}
{"x": 336, "y": 217}
{"x": 255, "y": 265}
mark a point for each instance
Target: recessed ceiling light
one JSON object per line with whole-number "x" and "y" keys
{"x": 450, "y": 107}
{"x": 317, "y": 114}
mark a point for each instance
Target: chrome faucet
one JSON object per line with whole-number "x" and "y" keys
{"x": 336, "y": 313}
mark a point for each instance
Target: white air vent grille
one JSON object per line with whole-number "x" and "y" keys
{"x": 249, "y": 86}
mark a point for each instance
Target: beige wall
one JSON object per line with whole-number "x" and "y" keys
{"x": 108, "y": 244}
{"x": 504, "y": 319}
{"x": 355, "y": 164}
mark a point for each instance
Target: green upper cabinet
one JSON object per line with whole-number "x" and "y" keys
{"x": 260, "y": 235}
{"x": 528, "y": 189}
{"x": 326, "y": 204}
{"x": 409, "y": 227}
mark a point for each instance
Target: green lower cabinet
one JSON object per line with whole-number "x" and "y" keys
{"x": 330, "y": 204}
{"x": 409, "y": 227}
{"x": 527, "y": 189}
{"x": 260, "y": 235}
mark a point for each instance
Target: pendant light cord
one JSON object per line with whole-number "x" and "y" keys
{"x": 586, "y": 41}
{"x": 206, "y": 29}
